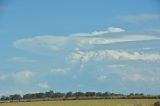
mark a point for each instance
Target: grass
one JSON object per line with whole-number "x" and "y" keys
{"x": 105, "y": 102}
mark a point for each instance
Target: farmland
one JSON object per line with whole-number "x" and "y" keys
{"x": 101, "y": 102}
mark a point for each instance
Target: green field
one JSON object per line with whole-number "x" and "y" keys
{"x": 106, "y": 102}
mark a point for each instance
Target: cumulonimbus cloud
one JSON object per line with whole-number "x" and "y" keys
{"x": 84, "y": 57}
{"x": 79, "y": 40}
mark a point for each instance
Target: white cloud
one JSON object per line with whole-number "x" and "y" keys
{"x": 134, "y": 77}
{"x": 147, "y": 48}
{"x": 109, "y": 30}
{"x": 97, "y": 33}
{"x": 115, "y": 30}
{"x": 80, "y": 56}
{"x": 59, "y": 70}
{"x": 23, "y": 75}
{"x": 84, "y": 57}
{"x": 56, "y": 43}
{"x": 116, "y": 66}
{"x": 133, "y": 56}
{"x": 39, "y": 43}
{"x": 138, "y": 77}
{"x": 95, "y": 40}
{"x": 49, "y": 43}
{"x": 102, "y": 77}
{"x": 43, "y": 85}
{"x": 139, "y": 18}
{"x": 21, "y": 59}
{"x": 3, "y": 77}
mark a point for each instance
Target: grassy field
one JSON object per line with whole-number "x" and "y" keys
{"x": 107, "y": 102}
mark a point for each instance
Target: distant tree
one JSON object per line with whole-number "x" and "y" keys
{"x": 106, "y": 94}
{"x": 99, "y": 94}
{"x": 131, "y": 94}
{"x": 79, "y": 94}
{"x": 89, "y": 94}
{"x": 15, "y": 97}
{"x": 28, "y": 96}
{"x": 141, "y": 94}
{"x": 4, "y": 98}
{"x": 40, "y": 95}
{"x": 58, "y": 95}
{"x": 49, "y": 94}
{"x": 69, "y": 94}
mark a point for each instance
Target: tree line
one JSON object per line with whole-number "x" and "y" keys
{"x": 73, "y": 95}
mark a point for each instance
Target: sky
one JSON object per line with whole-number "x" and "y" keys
{"x": 79, "y": 45}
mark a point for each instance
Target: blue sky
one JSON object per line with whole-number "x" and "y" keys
{"x": 85, "y": 45}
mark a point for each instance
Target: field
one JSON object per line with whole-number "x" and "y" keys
{"x": 107, "y": 102}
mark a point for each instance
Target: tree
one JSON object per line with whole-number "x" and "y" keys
{"x": 79, "y": 94}
{"x": 68, "y": 94}
{"x": 90, "y": 94}
{"x": 15, "y": 97}
{"x": 99, "y": 94}
{"x": 40, "y": 95}
{"x": 49, "y": 94}
{"x": 4, "y": 98}
{"x": 106, "y": 94}
{"x": 58, "y": 95}
{"x": 131, "y": 94}
{"x": 27, "y": 96}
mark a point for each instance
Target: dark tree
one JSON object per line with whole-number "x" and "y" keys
{"x": 15, "y": 97}
{"x": 27, "y": 96}
{"x": 106, "y": 94}
{"x": 79, "y": 94}
{"x": 58, "y": 95}
{"x": 49, "y": 94}
{"x": 69, "y": 94}
{"x": 89, "y": 94}
{"x": 4, "y": 98}
{"x": 99, "y": 94}
{"x": 40, "y": 95}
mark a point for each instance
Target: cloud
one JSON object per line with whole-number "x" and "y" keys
{"x": 138, "y": 77}
{"x": 129, "y": 38}
{"x": 134, "y": 77}
{"x": 139, "y": 18}
{"x": 98, "y": 33}
{"x": 21, "y": 59}
{"x": 38, "y": 43}
{"x": 109, "y": 30}
{"x": 59, "y": 70}
{"x": 3, "y": 77}
{"x": 102, "y": 77}
{"x": 116, "y": 66}
{"x": 57, "y": 43}
{"x": 133, "y": 56}
{"x": 84, "y": 57}
{"x": 43, "y": 85}
{"x": 23, "y": 75}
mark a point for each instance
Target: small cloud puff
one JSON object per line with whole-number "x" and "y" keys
{"x": 102, "y": 77}
{"x": 23, "y": 75}
{"x": 43, "y": 85}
